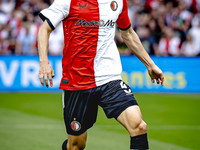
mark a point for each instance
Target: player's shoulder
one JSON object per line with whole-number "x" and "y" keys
{"x": 62, "y": 3}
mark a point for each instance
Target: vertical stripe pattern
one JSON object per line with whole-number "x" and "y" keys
{"x": 81, "y": 38}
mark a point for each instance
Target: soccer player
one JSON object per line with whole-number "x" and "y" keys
{"x": 91, "y": 67}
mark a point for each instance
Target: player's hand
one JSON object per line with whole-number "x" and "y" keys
{"x": 156, "y": 74}
{"x": 46, "y": 71}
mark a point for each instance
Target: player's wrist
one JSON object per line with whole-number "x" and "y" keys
{"x": 150, "y": 65}
{"x": 44, "y": 61}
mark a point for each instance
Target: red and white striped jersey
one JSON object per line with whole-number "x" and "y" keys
{"x": 90, "y": 56}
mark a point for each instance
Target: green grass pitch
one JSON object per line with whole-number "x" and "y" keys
{"x": 33, "y": 121}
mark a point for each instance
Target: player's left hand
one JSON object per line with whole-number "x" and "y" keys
{"x": 156, "y": 74}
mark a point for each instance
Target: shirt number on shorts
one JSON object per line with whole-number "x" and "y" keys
{"x": 123, "y": 86}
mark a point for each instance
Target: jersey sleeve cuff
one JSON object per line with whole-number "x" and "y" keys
{"x": 48, "y": 21}
{"x": 124, "y": 29}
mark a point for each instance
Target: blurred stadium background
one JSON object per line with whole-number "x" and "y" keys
{"x": 31, "y": 115}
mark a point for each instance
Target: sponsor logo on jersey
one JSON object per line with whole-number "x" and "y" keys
{"x": 100, "y": 23}
{"x": 114, "y": 5}
{"x": 75, "y": 125}
{"x": 65, "y": 81}
{"x": 82, "y": 6}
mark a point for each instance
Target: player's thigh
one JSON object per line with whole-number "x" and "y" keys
{"x": 116, "y": 97}
{"x": 75, "y": 142}
{"x": 80, "y": 110}
{"x": 131, "y": 119}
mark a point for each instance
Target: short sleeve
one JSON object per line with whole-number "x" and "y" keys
{"x": 58, "y": 11}
{"x": 123, "y": 21}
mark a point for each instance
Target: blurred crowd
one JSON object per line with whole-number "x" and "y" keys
{"x": 165, "y": 27}
{"x": 19, "y": 26}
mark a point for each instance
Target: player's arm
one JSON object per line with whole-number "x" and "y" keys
{"x": 133, "y": 42}
{"x": 43, "y": 44}
{"x": 51, "y": 16}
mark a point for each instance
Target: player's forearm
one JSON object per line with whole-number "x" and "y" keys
{"x": 133, "y": 42}
{"x": 43, "y": 42}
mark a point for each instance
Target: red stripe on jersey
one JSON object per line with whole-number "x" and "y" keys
{"x": 81, "y": 37}
{"x": 123, "y": 21}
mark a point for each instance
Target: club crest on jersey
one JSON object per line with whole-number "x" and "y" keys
{"x": 75, "y": 125}
{"x": 114, "y": 5}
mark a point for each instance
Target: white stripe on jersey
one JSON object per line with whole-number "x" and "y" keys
{"x": 107, "y": 63}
